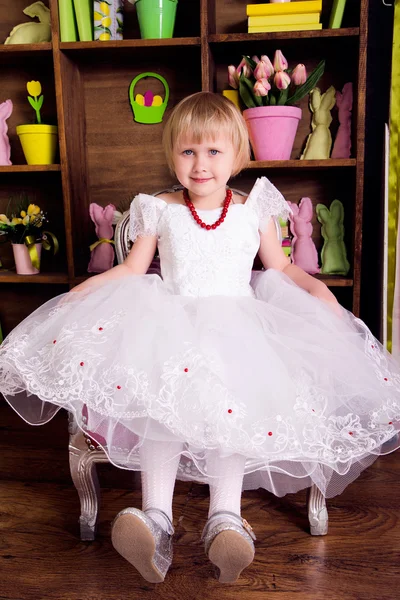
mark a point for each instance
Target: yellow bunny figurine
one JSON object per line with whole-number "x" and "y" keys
{"x": 319, "y": 142}
{"x": 32, "y": 32}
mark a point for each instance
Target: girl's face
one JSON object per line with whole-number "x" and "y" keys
{"x": 204, "y": 168}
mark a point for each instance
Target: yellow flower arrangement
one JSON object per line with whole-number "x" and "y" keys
{"x": 26, "y": 221}
{"x": 24, "y": 225}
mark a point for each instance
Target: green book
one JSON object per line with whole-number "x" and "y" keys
{"x": 335, "y": 20}
{"x": 83, "y": 12}
{"x": 66, "y": 15}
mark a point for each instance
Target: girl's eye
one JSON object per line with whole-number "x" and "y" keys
{"x": 188, "y": 152}
{"x": 214, "y": 152}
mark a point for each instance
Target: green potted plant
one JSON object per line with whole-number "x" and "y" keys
{"x": 39, "y": 141}
{"x": 269, "y": 91}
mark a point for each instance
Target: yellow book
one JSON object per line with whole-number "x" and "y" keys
{"x": 274, "y": 28}
{"x": 284, "y": 8}
{"x": 283, "y": 19}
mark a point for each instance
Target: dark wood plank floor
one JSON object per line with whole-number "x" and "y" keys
{"x": 42, "y": 558}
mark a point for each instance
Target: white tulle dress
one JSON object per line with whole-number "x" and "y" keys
{"x": 212, "y": 357}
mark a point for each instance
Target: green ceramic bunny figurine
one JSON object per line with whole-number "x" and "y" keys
{"x": 319, "y": 142}
{"x": 333, "y": 254}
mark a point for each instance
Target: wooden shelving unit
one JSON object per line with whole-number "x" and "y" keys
{"x": 51, "y": 278}
{"x": 121, "y": 44}
{"x": 106, "y": 157}
{"x": 220, "y": 38}
{"x": 29, "y": 168}
{"x": 303, "y": 164}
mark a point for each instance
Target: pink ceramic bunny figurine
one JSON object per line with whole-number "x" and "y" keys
{"x": 102, "y": 257}
{"x": 6, "y": 109}
{"x": 304, "y": 252}
{"x": 344, "y": 101}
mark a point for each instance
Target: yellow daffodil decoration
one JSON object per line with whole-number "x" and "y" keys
{"x": 108, "y": 20}
{"x": 25, "y": 226}
{"x": 35, "y": 98}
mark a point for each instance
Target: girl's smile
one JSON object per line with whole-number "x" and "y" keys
{"x": 198, "y": 180}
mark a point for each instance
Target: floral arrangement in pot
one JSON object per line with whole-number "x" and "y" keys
{"x": 269, "y": 91}
{"x": 24, "y": 229}
{"x": 38, "y": 140}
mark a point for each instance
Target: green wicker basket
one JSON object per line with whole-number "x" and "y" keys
{"x": 148, "y": 114}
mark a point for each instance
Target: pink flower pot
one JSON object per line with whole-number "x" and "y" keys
{"x": 23, "y": 263}
{"x": 272, "y": 130}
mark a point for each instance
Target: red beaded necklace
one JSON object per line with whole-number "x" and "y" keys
{"x": 196, "y": 217}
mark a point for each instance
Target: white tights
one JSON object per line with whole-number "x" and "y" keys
{"x": 159, "y": 462}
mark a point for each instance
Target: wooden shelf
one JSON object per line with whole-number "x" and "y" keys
{"x": 29, "y": 168}
{"x": 11, "y": 277}
{"x": 28, "y": 48}
{"x": 138, "y": 43}
{"x": 283, "y": 35}
{"x": 302, "y": 164}
{"x": 108, "y": 156}
{"x": 335, "y": 280}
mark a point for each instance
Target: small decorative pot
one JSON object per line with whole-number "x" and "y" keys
{"x": 23, "y": 262}
{"x": 272, "y": 130}
{"x": 39, "y": 143}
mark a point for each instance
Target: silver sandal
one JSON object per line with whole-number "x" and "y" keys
{"x": 143, "y": 542}
{"x": 229, "y": 544}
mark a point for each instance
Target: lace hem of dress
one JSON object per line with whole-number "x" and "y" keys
{"x": 216, "y": 419}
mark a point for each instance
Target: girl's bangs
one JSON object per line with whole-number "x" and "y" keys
{"x": 198, "y": 130}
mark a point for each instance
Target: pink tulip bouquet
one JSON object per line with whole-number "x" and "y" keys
{"x": 262, "y": 83}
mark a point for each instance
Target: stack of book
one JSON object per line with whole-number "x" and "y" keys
{"x": 284, "y": 16}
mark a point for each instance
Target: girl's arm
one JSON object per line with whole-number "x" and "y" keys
{"x": 273, "y": 257}
{"x": 136, "y": 263}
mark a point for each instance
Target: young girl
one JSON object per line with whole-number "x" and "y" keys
{"x": 204, "y": 374}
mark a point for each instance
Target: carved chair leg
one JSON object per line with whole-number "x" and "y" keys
{"x": 83, "y": 457}
{"x": 317, "y": 512}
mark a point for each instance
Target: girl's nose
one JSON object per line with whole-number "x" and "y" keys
{"x": 199, "y": 164}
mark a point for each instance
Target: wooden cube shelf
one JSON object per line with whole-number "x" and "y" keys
{"x": 106, "y": 157}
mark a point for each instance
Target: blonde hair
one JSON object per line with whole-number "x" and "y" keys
{"x": 202, "y": 116}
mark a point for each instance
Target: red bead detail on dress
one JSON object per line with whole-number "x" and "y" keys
{"x": 82, "y": 363}
{"x": 350, "y": 433}
{"x": 313, "y": 410}
{"x": 390, "y": 422}
{"x": 54, "y": 341}
{"x": 385, "y": 379}
{"x": 100, "y": 329}
{"x": 186, "y": 370}
{"x": 118, "y": 387}
{"x": 269, "y": 432}
{"x": 196, "y": 217}
{"x": 229, "y": 410}
{"x": 372, "y": 346}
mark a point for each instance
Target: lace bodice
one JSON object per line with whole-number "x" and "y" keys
{"x": 197, "y": 262}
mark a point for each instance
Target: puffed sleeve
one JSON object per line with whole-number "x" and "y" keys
{"x": 145, "y": 213}
{"x": 267, "y": 201}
